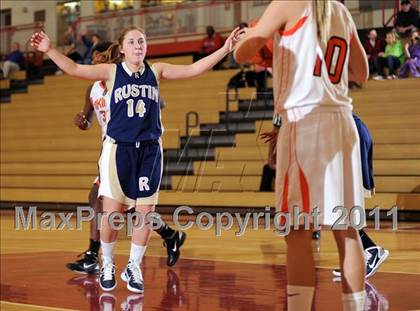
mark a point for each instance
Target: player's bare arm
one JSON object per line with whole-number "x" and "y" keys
{"x": 274, "y": 18}
{"x": 42, "y": 43}
{"x": 358, "y": 63}
{"x": 169, "y": 71}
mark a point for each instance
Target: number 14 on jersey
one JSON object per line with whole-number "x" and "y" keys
{"x": 140, "y": 108}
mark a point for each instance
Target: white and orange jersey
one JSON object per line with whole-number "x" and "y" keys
{"x": 99, "y": 99}
{"x": 307, "y": 76}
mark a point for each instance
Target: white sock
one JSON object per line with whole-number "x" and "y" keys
{"x": 107, "y": 251}
{"x": 137, "y": 253}
{"x": 299, "y": 298}
{"x": 354, "y": 301}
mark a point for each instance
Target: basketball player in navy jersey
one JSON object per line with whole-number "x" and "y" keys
{"x": 130, "y": 166}
{"x": 173, "y": 240}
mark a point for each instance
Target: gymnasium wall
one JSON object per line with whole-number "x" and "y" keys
{"x": 23, "y": 13}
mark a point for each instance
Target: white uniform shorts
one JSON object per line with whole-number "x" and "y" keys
{"x": 319, "y": 166}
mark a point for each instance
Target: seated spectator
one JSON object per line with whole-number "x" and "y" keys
{"x": 74, "y": 50}
{"x": 209, "y": 44}
{"x": 13, "y": 61}
{"x": 90, "y": 47}
{"x": 407, "y": 19}
{"x": 392, "y": 58}
{"x": 373, "y": 46}
{"x": 412, "y": 52}
{"x": 33, "y": 63}
{"x": 100, "y": 47}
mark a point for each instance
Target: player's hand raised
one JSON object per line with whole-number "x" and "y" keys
{"x": 41, "y": 42}
{"x": 233, "y": 38}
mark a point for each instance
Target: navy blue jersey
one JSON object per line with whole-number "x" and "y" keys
{"x": 134, "y": 105}
{"x": 366, "y": 153}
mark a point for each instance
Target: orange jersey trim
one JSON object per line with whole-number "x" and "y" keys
{"x": 295, "y": 27}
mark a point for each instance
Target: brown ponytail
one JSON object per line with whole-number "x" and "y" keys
{"x": 322, "y": 10}
{"x": 109, "y": 56}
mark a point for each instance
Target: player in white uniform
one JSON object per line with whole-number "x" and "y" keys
{"x": 316, "y": 49}
{"x": 97, "y": 102}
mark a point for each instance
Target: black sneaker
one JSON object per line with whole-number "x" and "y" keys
{"x": 132, "y": 275}
{"x": 107, "y": 279}
{"x": 173, "y": 244}
{"x": 316, "y": 235}
{"x": 375, "y": 256}
{"x": 88, "y": 264}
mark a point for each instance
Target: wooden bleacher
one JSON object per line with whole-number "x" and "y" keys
{"x": 5, "y": 84}
{"x": 45, "y": 158}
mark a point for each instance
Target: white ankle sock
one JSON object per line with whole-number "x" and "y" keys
{"x": 354, "y": 301}
{"x": 299, "y": 298}
{"x": 137, "y": 253}
{"x": 107, "y": 251}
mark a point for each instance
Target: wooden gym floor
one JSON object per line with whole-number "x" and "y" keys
{"x": 214, "y": 273}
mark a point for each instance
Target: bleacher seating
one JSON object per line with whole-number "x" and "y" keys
{"x": 15, "y": 83}
{"x": 45, "y": 158}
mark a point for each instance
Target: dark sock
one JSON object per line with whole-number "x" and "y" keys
{"x": 94, "y": 246}
{"x": 165, "y": 231}
{"x": 366, "y": 241}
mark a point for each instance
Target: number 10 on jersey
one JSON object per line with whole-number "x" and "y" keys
{"x": 335, "y": 58}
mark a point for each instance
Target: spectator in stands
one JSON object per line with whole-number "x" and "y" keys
{"x": 407, "y": 19}
{"x": 392, "y": 58}
{"x": 90, "y": 46}
{"x": 373, "y": 46}
{"x": 74, "y": 50}
{"x": 13, "y": 61}
{"x": 100, "y": 47}
{"x": 412, "y": 52}
{"x": 209, "y": 44}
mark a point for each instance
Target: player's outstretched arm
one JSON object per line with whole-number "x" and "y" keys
{"x": 41, "y": 42}
{"x": 168, "y": 71}
{"x": 273, "y": 19}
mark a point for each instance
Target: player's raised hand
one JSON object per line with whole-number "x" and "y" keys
{"x": 233, "y": 38}
{"x": 40, "y": 41}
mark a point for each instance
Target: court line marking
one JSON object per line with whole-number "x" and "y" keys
{"x": 17, "y": 304}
